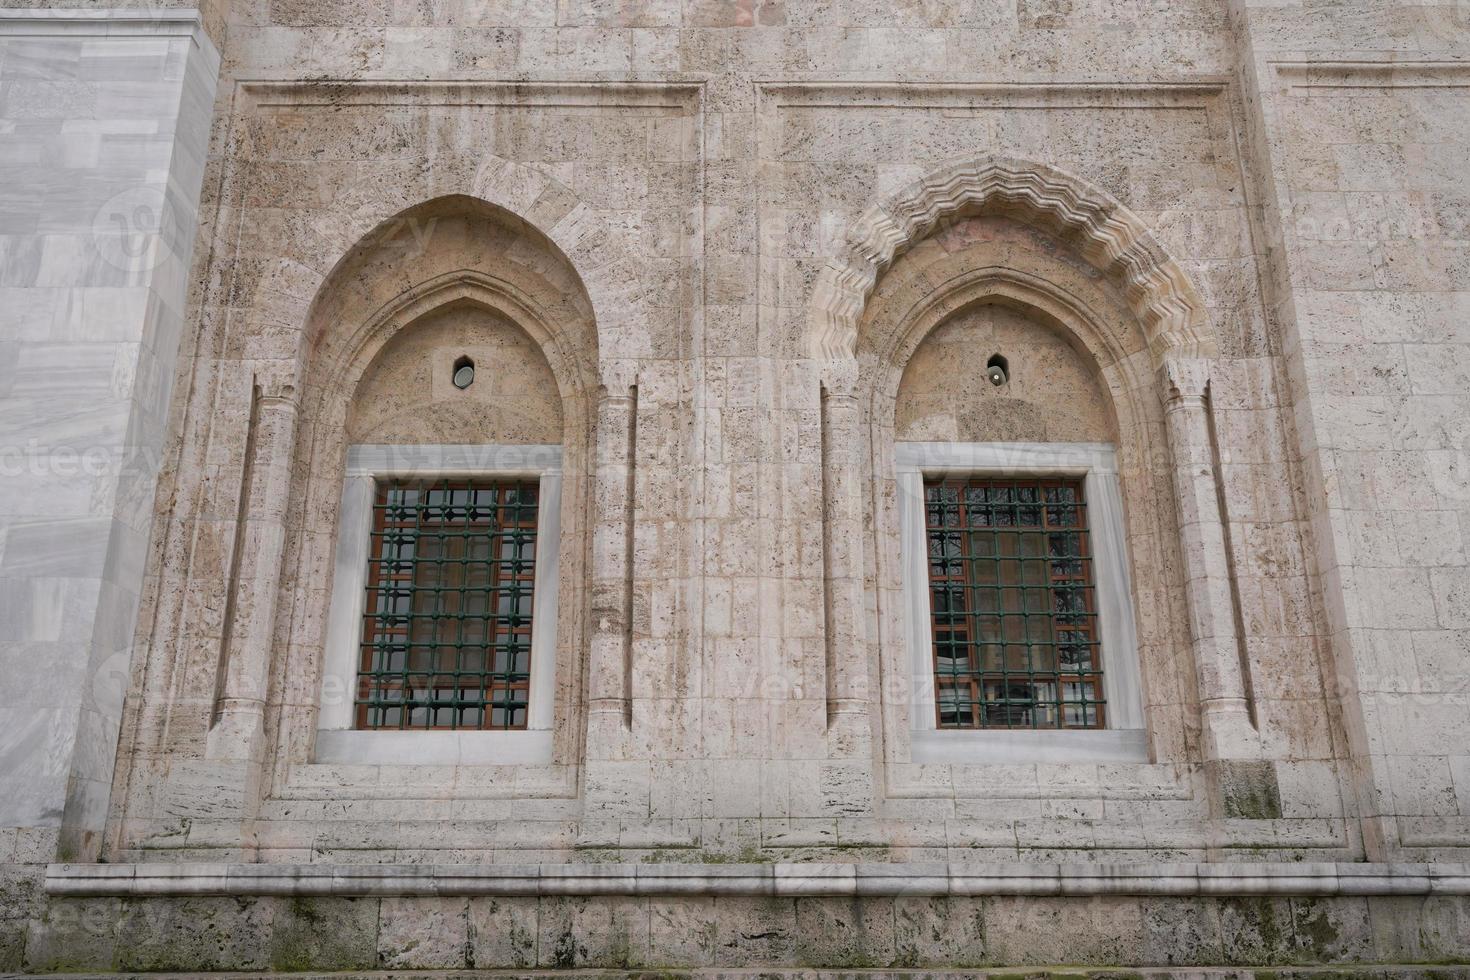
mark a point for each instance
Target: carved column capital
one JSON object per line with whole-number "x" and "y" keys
{"x": 278, "y": 393}
{"x": 1183, "y": 377}
{"x": 618, "y": 375}
{"x": 839, "y": 377}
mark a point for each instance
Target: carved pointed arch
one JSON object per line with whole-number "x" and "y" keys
{"x": 467, "y": 243}
{"x": 1171, "y": 310}
{"x": 599, "y": 250}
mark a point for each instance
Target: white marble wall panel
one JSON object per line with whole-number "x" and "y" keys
{"x": 104, "y": 117}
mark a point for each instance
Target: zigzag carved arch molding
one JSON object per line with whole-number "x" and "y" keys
{"x": 1107, "y": 234}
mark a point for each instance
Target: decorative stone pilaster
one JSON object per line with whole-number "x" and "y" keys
{"x": 610, "y": 651}
{"x": 237, "y": 733}
{"x": 848, "y": 687}
{"x": 1229, "y": 732}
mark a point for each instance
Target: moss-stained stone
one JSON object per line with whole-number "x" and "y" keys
{"x": 73, "y": 934}
{"x": 755, "y": 933}
{"x": 851, "y": 932}
{"x": 938, "y": 930}
{"x": 1018, "y": 937}
{"x": 1331, "y": 930}
{"x": 609, "y": 932}
{"x": 423, "y": 933}
{"x": 681, "y": 931}
{"x": 12, "y": 943}
{"x": 1249, "y": 790}
{"x": 1395, "y": 921}
{"x": 21, "y": 903}
{"x": 1443, "y": 934}
{"x": 1421, "y": 929}
{"x": 502, "y": 932}
{"x": 325, "y": 934}
{"x": 1179, "y": 931}
{"x": 1256, "y": 931}
{"x": 194, "y": 934}
{"x": 20, "y": 890}
{"x": 1026, "y": 930}
{"x": 739, "y": 852}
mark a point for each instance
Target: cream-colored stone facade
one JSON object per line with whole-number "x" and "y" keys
{"x": 738, "y": 260}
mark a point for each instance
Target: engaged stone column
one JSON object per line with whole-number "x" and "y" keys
{"x": 237, "y": 732}
{"x": 848, "y": 690}
{"x": 1225, "y": 711}
{"x": 612, "y": 535}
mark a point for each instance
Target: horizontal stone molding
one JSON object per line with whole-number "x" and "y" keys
{"x": 102, "y": 22}
{"x": 675, "y": 96}
{"x": 1345, "y": 72}
{"x": 760, "y": 880}
{"x": 962, "y": 92}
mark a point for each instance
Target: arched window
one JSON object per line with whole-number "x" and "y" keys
{"x": 1016, "y": 581}
{"x": 1079, "y": 263}
{"x": 449, "y": 361}
{"x": 445, "y": 588}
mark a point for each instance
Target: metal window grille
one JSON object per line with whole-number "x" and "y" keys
{"x": 446, "y": 638}
{"x": 1013, "y": 605}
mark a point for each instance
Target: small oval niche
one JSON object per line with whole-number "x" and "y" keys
{"x": 464, "y": 373}
{"x": 998, "y": 371}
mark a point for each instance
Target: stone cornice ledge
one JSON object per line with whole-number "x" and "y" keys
{"x": 102, "y": 21}
{"x": 758, "y": 880}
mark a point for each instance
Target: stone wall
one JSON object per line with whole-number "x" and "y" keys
{"x": 695, "y": 211}
{"x": 727, "y": 254}
{"x": 625, "y": 933}
{"x": 409, "y": 396}
{"x": 1053, "y": 394}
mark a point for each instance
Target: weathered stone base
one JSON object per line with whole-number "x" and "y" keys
{"x": 998, "y": 934}
{"x": 1375, "y": 972}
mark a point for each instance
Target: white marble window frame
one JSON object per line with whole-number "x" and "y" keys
{"x": 337, "y": 741}
{"x": 1125, "y": 739}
